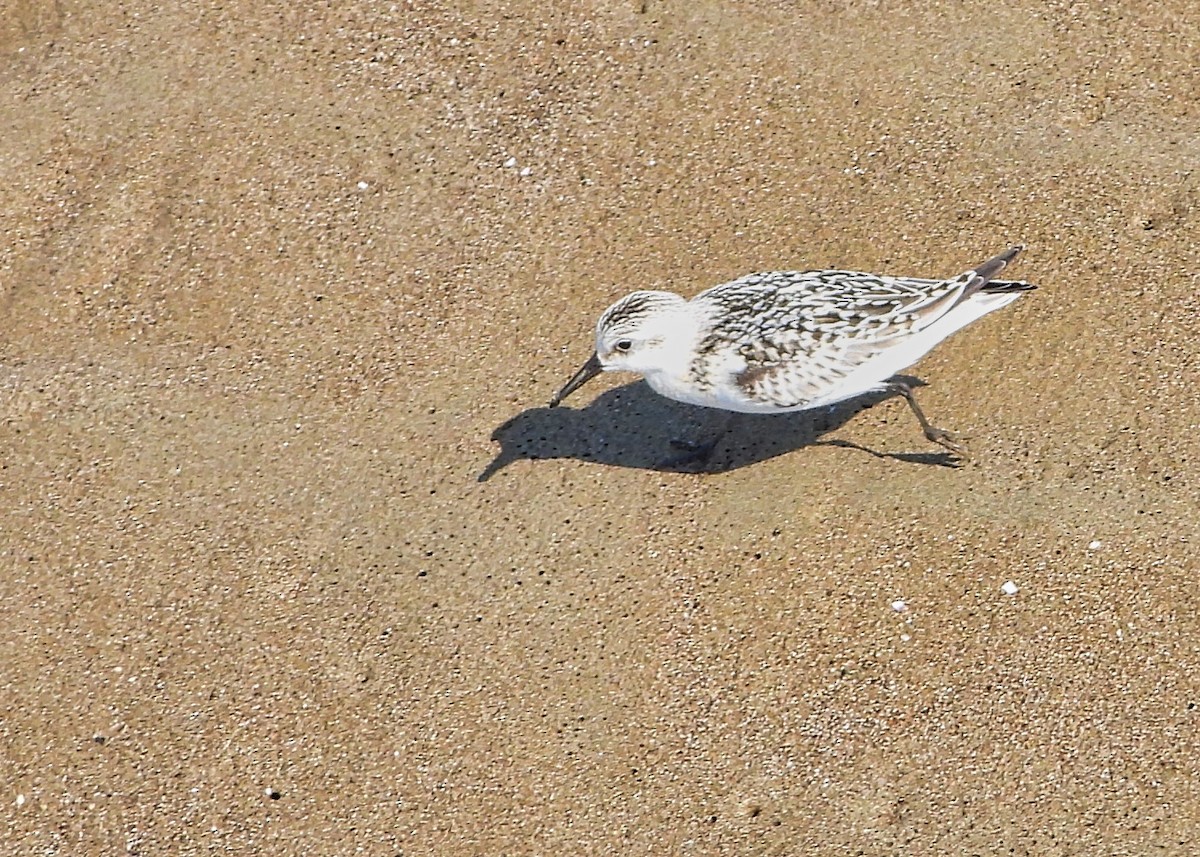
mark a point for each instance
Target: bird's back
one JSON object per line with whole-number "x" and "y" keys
{"x": 785, "y": 340}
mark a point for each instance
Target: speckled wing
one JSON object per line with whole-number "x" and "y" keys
{"x": 797, "y": 334}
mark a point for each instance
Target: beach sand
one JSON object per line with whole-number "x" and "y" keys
{"x": 296, "y": 561}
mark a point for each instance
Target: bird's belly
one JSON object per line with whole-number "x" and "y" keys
{"x": 721, "y": 393}
{"x": 783, "y": 395}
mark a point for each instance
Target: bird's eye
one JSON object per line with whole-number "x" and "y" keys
{"x": 624, "y": 344}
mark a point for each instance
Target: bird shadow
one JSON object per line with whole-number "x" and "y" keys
{"x": 632, "y": 426}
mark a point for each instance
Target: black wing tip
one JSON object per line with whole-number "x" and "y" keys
{"x": 1008, "y": 286}
{"x": 1000, "y": 263}
{"x": 1007, "y": 256}
{"x": 993, "y": 266}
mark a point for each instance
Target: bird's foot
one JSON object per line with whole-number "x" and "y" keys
{"x": 944, "y": 438}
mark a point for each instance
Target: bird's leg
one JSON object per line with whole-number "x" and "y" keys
{"x": 696, "y": 452}
{"x": 933, "y": 433}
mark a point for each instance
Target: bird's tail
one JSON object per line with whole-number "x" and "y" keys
{"x": 980, "y": 279}
{"x": 969, "y": 283}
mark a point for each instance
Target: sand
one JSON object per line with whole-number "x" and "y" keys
{"x": 296, "y": 561}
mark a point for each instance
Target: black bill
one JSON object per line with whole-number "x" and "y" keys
{"x": 586, "y": 373}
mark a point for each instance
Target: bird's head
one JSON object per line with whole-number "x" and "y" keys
{"x": 633, "y": 335}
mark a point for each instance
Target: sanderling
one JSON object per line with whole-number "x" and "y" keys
{"x": 792, "y": 340}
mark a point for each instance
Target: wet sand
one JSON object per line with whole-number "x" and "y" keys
{"x": 295, "y": 560}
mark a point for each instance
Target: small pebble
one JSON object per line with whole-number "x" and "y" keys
{"x": 20, "y": 800}
{"x": 1095, "y": 545}
{"x": 899, "y": 606}
{"x": 1009, "y": 588}
{"x": 750, "y": 809}
{"x": 363, "y": 185}
{"x": 526, "y": 170}
{"x": 510, "y": 163}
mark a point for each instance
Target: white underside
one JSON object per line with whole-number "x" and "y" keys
{"x": 871, "y": 376}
